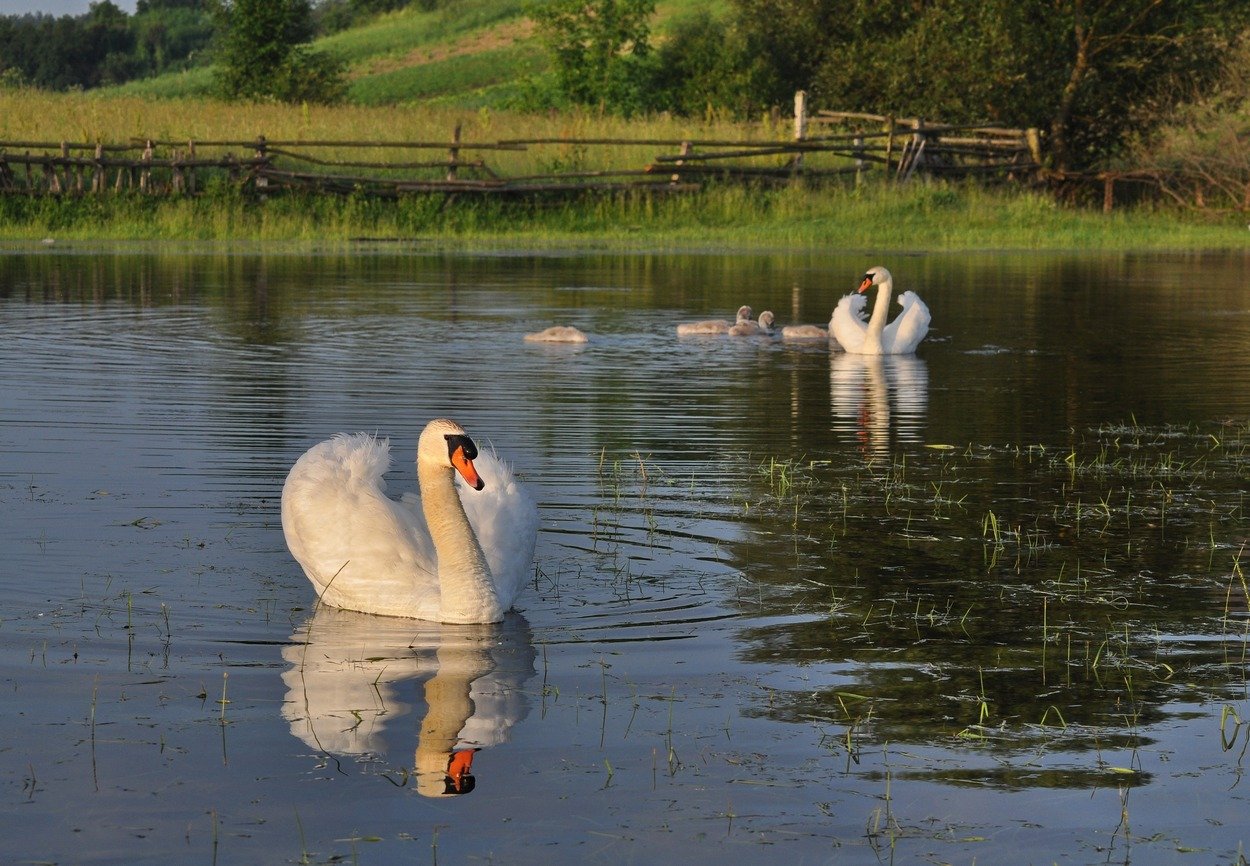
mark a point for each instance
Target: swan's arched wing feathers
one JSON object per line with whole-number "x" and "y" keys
{"x": 348, "y": 536}
{"x": 848, "y": 324}
{"x": 904, "y": 334}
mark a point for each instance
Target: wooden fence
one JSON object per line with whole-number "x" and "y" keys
{"x": 863, "y": 144}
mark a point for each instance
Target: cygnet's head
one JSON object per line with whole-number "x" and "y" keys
{"x": 444, "y": 443}
{"x": 745, "y": 313}
{"x": 766, "y": 320}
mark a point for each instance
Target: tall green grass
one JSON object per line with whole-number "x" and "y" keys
{"x": 874, "y": 215}
{"x": 917, "y": 217}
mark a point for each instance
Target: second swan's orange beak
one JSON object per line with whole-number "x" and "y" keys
{"x": 866, "y": 284}
{"x": 464, "y": 466}
{"x": 459, "y": 766}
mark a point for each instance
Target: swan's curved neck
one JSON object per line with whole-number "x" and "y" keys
{"x": 467, "y": 591}
{"x": 881, "y": 309}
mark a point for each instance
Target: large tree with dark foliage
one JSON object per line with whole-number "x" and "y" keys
{"x": 262, "y": 53}
{"x": 1088, "y": 72}
{"x": 599, "y": 49}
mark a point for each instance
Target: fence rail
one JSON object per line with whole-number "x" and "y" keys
{"x": 849, "y": 144}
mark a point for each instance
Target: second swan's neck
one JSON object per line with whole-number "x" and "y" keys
{"x": 881, "y": 309}
{"x": 467, "y": 591}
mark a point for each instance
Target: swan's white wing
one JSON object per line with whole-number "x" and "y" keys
{"x": 903, "y": 335}
{"x": 505, "y": 519}
{"x": 361, "y": 550}
{"x": 848, "y": 325}
{"x": 834, "y": 344}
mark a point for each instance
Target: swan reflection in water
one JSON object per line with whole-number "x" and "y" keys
{"x": 874, "y": 394}
{"x": 352, "y": 677}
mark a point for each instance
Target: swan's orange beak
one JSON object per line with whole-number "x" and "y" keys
{"x": 458, "y": 767}
{"x": 866, "y": 284}
{"x": 464, "y": 466}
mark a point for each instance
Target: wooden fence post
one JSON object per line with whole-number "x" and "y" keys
{"x": 259, "y": 180}
{"x": 145, "y": 174}
{"x": 800, "y": 125}
{"x": 1033, "y": 137}
{"x": 98, "y": 180}
{"x": 191, "y": 170}
{"x": 910, "y": 159}
{"x": 675, "y": 177}
{"x": 453, "y": 153}
{"x": 800, "y": 115}
{"x": 889, "y": 143}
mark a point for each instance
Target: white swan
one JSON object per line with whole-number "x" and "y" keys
{"x": 714, "y": 326}
{"x": 875, "y": 337}
{"x": 763, "y": 327}
{"x": 557, "y": 334}
{"x": 453, "y": 556}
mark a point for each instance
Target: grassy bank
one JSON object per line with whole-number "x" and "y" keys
{"x": 915, "y": 216}
{"x": 918, "y": 217}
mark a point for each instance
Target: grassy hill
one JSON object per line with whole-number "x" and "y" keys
{"x": 470, "y": 54}
{"x": 415, "y": 76}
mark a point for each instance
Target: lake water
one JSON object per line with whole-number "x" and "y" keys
{"x": 984, "y": 604}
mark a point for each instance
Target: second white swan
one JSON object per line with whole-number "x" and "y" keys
{"x": 874, "y": 336}
{"x": 456, "y": 555}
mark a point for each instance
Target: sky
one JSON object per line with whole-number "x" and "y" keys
{"x": 57, "y": 7}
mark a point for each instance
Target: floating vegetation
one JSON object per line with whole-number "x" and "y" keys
{"x": 1011, "y": 595}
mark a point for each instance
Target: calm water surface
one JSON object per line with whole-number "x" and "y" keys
{"x": 981, "y": 604}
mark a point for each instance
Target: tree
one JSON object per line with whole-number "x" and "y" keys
{"x": 261, "y": 53}
{"x": 1089, "y": 72}
{"x": 599, "y": 49}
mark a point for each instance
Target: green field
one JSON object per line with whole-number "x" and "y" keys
{"x": 416, "y": 76}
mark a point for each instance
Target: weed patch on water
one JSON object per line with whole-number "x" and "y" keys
{"x": 1019, "y": 597}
